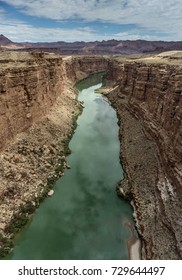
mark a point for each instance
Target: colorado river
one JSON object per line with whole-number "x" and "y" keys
{"x": 84, "y": 218}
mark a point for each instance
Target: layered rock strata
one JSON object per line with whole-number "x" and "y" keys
{"x": 147, "y": 97}
{"x": 38, "y": 109}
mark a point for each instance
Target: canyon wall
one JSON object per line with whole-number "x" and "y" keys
{"x": 26, "y": 94}
{"x": 30, "y": 85}
{"x": 147, "y": 97}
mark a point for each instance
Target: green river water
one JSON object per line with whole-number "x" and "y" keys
{"x": 84, "y": 218}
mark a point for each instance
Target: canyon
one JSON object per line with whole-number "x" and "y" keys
{"x": 38, "y": 109}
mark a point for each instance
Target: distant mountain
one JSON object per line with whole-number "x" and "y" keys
{"x": 103, "y": 47}
{"x": 6, "y": 43}
{"x": 108, "y": 47}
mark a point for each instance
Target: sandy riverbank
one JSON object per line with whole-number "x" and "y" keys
{"x": 133, "y": 243}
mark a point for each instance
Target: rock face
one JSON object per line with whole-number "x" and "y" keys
{"x": 38, "y": 109}
{"x": 26, "y": 94}
{"x": 147, "y": 97}
{"x": 30, "y": 88}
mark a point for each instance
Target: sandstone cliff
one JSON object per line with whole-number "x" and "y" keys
{"x": 147, "y": 97}
{"x": 30, "y": 85}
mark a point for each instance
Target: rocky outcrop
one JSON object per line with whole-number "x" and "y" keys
{"x": 27, "y": 94}
{"x": 147, "y": 97}
{"x": 38, "y": 111}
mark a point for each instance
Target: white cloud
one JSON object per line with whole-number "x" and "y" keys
{"x": 21, "y": 32}
{"x": 152, "y": 15}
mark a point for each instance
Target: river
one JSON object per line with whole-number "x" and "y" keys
{"x": 84, "y": 218}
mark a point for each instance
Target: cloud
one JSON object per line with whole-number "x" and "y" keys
{"x": 20, "y": 32}
{"x": 154, "y": 16}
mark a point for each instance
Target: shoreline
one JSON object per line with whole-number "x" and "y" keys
{"x": 133, "y": 243}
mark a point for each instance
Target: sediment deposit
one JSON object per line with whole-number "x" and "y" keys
{"x": 147, "y": 97}
{"x": 38, "y": 109}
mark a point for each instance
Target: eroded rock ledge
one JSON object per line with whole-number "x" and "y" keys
{"x": 147, "y": 97}
{"x": 38, "y": 111}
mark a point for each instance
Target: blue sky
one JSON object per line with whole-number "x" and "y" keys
{"x": 90, "y": 20}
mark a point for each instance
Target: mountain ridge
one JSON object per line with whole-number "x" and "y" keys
{"x": 96, "y": 47}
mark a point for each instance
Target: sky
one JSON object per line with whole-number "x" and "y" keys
{"x": 90, "y": 20}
